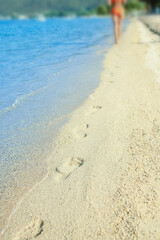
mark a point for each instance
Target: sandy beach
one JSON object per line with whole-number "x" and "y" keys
{"x": 152, "y": 22}
{"x": 104, "y": 176}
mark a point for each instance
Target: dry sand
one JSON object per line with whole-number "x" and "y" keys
{"x": 152, "y": 22}
{"x": 104, "y": 176}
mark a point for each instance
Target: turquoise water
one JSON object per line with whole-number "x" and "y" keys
{"x": 47, "y": 70}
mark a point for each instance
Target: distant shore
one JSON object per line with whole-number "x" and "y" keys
{"x": 103, "y": 180}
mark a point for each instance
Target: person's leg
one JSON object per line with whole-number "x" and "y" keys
{"x": 120, "y": 18}
{"x": 115, "y": 22}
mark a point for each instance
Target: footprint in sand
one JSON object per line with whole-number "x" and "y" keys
{"x": 32, "y": 231}
{"x": 81, "y": 131}
{"x": 110, "y": 81}
{"x": 68, "y": 167}
{"x": 93, "y": 110}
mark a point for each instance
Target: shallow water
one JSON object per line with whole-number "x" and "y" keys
{"x": 47, "y": 70}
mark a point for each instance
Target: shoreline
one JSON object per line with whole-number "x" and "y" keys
{"x": 92, "y": 168}
{"x": 25, "y": 177}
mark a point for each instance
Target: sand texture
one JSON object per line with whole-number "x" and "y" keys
{"x": 152, "y": 22}
{"x": 104, "y": 176}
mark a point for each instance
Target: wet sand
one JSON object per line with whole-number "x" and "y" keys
{"x": 104, "y": 176}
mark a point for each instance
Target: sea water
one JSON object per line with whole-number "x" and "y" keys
{"x": 47, "y": 69}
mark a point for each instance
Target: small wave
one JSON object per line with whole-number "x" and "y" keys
{"x": 20, "y": 100}
{"x": 17, "y": 102}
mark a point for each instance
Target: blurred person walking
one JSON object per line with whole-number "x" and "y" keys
{"x": 118, "y": 12}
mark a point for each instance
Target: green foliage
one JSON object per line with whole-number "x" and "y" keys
{"x": 134, "y": 5}
{"x": 62, "y": 14}
{"x": 48, "y": 7}
{"x": 86, "y": 13}
{"x": 102, "y": 10}
{"x": 51, "y": 14}
{"x": 56, "y": 14}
